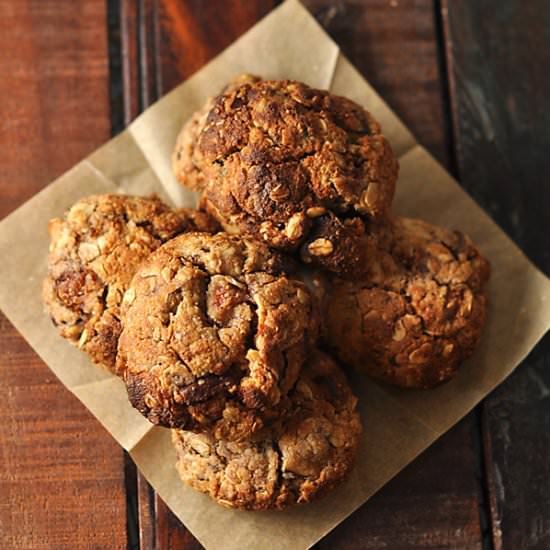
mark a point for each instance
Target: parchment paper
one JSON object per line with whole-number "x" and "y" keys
{"x": 288, "y": 43}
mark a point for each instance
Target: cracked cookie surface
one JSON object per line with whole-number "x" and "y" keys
{"x": 214, "y": 334}
{"x": 305, "y": 453}
{"x": 284, "y": 162}
{"x": 183, "y": 157}
{"x": 419, "y": 310}
{"x": 94, "y": 252}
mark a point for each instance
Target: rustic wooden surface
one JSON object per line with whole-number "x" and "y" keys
{"x": 501, "y": 120}
{"x": 61, "y": 474}
{"x": 447, "y": 72}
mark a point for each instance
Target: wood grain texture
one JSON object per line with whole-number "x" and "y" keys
{"x": 170, "y": 533}
{"x": 498, "y": 53}
{"x": 192, "y": 32}
{"x": 146, "y": 511}
{"x": 55, "y": 103}
{"x": 129, "y": 32}
{"x": 435, "y": 502}
{"x": 61, "y": 475}
{"x": 139, "y": 44}
{"x": 148, "y": 26}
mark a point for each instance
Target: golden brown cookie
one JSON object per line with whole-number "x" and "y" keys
{"x": 183, "y": 163}
{"x": 94, "y": 252}
{"x": 307, "y": 452}
{"x": 214, "y": 334}
{"x": 419, "y": 310}
{"x": 295, "y": 167}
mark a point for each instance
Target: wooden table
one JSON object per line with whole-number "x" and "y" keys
{"x": 470, "y": 78}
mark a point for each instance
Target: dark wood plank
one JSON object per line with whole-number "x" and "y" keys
{"x": 498, "y": 52}
{"x": 146, "y": 510}
{"x": 149, "y": 45}
{"x": 129, "y": 32}
{"x": 61, "y": 475}
{"x": 426, "y": 506}
{"x": 191, "y": 32}
{"x": 170, "y": 533}
{"x": 435, "y": 502}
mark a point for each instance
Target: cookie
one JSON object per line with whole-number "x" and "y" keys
{"x": 183, "y": 163}
{"x": 214, "y": 334}
{"x": 283, "y": 162}
{"x": 94, "y": 252}
{"x": 303, "y": 455}
{"x": 419, "y": 310}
